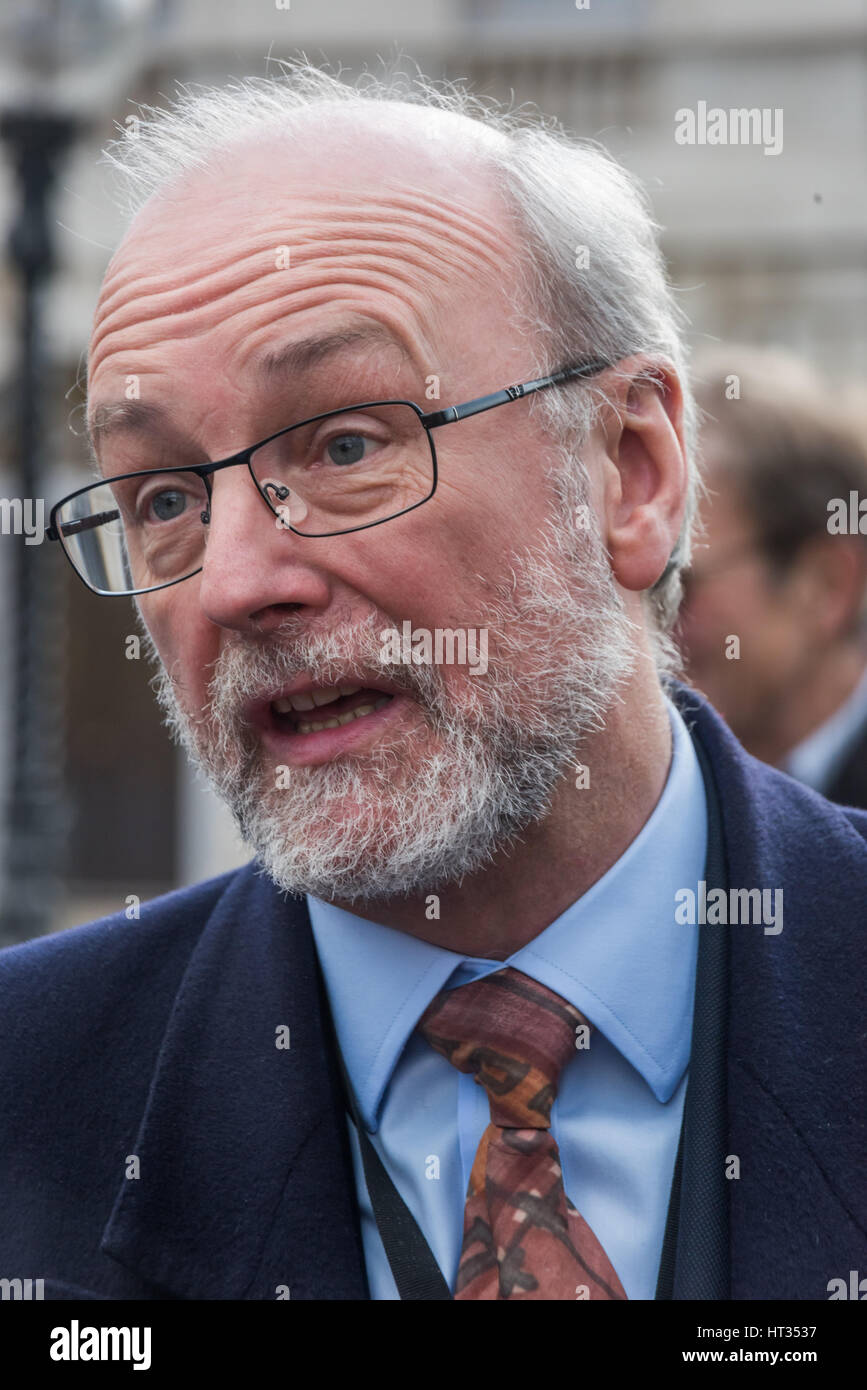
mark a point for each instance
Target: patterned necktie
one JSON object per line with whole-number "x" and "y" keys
{"x": 523, "y": 1238}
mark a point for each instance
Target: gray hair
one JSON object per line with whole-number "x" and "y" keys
{"x": 594, "y": 275}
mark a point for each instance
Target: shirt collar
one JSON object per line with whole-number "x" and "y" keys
{"x": 617, "y": 954}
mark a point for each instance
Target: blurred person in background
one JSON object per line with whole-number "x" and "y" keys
{"x": 773, "y": 625}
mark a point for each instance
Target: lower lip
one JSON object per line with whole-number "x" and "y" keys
{"x": 300, "y": 750}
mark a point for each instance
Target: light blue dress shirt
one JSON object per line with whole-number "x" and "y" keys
{"x": 618, "y": 955}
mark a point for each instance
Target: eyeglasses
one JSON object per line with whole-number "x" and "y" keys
{"x": 343, "y": 471}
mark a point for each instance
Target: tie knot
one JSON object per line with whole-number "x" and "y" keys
{"x": 514, "y": 1035}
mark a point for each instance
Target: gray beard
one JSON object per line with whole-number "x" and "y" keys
{"x": 418, "y": 812}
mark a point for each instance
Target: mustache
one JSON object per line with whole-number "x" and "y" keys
{"x": 251, "y": 669}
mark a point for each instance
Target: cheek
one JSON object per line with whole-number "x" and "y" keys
{"x": 184, "y": 638}
{"x": 492, "y": 486}
{"x": 439, "y": 564}
{"x": 782, "y": 635}
{"x": 769, "y": 631}
{"x": 713, "y": 615}
{"x": 741, "y": 603}
{"x": 734, "y": 606}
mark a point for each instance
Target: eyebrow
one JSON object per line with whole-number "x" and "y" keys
{"x": 309, "y": 352}
{"x": 293, "y": 358}
{"x": 116, "y": 415}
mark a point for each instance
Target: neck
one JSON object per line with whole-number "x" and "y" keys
{"x": 825, "y": 683}
{"x": 528, "y": 885}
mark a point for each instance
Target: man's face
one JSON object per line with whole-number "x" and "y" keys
{"x": 733, "y": 592}
{"x": 418, "y": 278}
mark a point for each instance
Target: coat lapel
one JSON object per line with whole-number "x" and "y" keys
{"x": 245, "y": 1188}
{"x": 695, "y": 1261}
{"x": 791, "y": 1000}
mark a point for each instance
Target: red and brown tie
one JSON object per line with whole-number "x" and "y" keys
{"x": 523, "y": 1238}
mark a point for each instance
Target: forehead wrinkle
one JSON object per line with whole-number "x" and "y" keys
{"x": 160, "y": 298}
{"x": 385, "y": 274}
{"x": 402, "y": 332}
{"x": 471, "y": 242}
{"x": 425, "y": 214}
{"x": 468, "y": 225}
{"x": 424, "y": 252}
{"x": 198, "y": 322}
{"x": 121, "y": 276}
{"x": 324, "y": 216}
{"x": 327, "y": 212}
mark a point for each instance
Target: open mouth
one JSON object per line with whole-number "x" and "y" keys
{"x": 315, "y": 710}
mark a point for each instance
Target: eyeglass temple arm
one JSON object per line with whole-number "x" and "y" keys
{"x": 514, "y": 393}
{"x": 511, "y": 393}
{"x": 85, "y": 523}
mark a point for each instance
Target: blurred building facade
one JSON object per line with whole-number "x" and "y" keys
{"x": 765, "y": 248}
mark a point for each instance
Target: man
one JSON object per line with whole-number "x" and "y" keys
{"x": 510, "y": 860}
{"x": 774, "y": 620}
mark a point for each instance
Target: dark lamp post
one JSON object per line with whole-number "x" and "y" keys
{"x": 52, "y": 44}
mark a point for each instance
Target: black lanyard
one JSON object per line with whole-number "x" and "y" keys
{"x": 697, "y": 1201}
{"x": 416, "y": 1272}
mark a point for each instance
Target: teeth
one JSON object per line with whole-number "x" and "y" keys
{"x": 343, "y": 719}
{"x": 323, "y": 697}
{"x": 301, "y": 703}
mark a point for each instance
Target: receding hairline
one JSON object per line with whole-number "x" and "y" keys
{"x": 457, "y": 146}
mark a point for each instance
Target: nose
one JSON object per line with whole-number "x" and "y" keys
{"x": 254, "y": 569}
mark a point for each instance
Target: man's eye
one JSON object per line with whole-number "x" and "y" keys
{"x": 346, "y": 448}
{"x": 167, "y": 505}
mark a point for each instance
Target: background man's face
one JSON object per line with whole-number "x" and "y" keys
{"x": 192, "y": 306}
{"x": 733, "y": 591}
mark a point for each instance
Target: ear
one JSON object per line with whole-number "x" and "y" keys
{"x": 644, "y": 469}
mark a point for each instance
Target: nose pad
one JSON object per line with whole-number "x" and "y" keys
{"x": 205, "y": 514}
{"x": 290, "y": 508}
